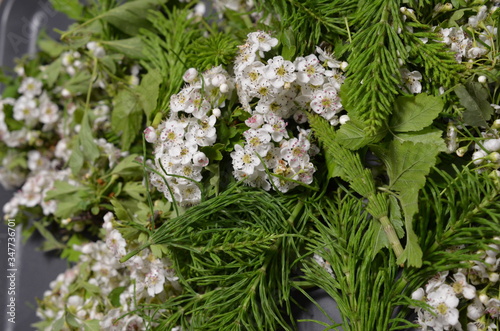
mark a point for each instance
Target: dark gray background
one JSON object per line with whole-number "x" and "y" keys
{"x": 20, "y": 23}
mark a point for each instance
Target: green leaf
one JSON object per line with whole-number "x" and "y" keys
{"x": 69, "y": 253}
{"x": 334, "y": 170}
{"x": 149, "y": 90}
{"x": 50, "y": 46}
{"x": 352, "y": 135}
{"x": 414, "y": 113}
{"x": 91, "y": 325}
{"x": 474, "y": 98}
{"x": 131, "y": 46}
{"x": 68, "y": 208}
{"x": 72, "y": 8}
{"x": 120, "y": 211}
{"x": 214, "y": 152}
{"x": 72, "y": 320}
{"x": 380, "y": 239}
{"x": 61, "y": 189}
{"x": 58, "y": 324}
{"x": 157, "y": 250}
{"x": 76, "y": 160}
{"x": 79, "y": 83}
{"x": 429, "y": 136}
{"x": 136, "y": 190}
{"x": 128, "y": 166}
{"x": 91, "y": 288}
{"x": 89, "y": 148}
{"x": 408, "y": 164}
{"x": 126, "y": 118}
{"x": 51, "y": 242}
{"x": 52, "y": 72}
{"x": 114, "y": 295}
{"x": 130, "y": 17}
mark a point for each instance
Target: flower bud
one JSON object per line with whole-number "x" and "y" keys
{"x": 344, "y": 119}
{"x": 482, "y": 79}
{"x": 493, "y": 277}
{"x": 483, "y": 297}
{"x": 216, "y": 112}
{"x": 150, "y": 134}
{"x": 190, "y": 75}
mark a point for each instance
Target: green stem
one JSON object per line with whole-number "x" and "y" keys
{"x": 391, "y": 235}
{"x": 134, "y": 252}
{"x": 295, "y": 213}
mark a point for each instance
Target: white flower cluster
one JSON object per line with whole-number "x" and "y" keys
{"x": 143, "y": 279}
{"x": 486, "y": 152}
{"x": 191, "y": 125}
{"x": 281, "y": 90}
{"x": 466, "y": 46}
{"x": 445, "y": 295}
{"x": 35, "y": 189}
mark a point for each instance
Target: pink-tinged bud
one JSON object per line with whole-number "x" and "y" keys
{"x": 150, "y": 134}
{"x": 190, "y": 75}
{"x": 200, "y": 159}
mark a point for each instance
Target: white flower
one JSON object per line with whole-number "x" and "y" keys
{"x": 96, "y": 49}
{"x": 280, "y": 71}
{"x": 262, "y": 40}
{"x": 116, "y": 243}
{"x": 258, "y": 140}
{"x": 460, "y": 286}
{"x": 245, "y": 159}
{"x": 26, "y": 109}
{"x": 30, "y": 87}
{"x": 326, "y": 102}
{"x": 154, "y": 281}
{"x": 296, "y": 151}
{"x": 309, "y": 70}
{"x": 411, "y": 80}
{"x": 444, "y": 301}
{"x": 276, "y": 127}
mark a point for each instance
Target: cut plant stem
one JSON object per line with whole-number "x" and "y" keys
{"x": 391, "y": 235}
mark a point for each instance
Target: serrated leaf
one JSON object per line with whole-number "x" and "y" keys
{"x": 412, "y": 253}
{"x": 52, "y": 71}
{"x": 119, "y": 211}
{"x": 128, "y": 166}
{"x": 136, "y": 190}
{"x": 334, "y": 170}
{"x": 129, "y": 17}
{"x": 72, "y": 8}
{"x": 50, "y": 46}
{"x": 126, "y": 118}
{"x": 427, "y": 136}
{"x": 379, "y": 240}
{"x": 131, "y": 46}
{"x": 408, "y": 164}
{"x": 474, "y": 98}
{"x": 395, "y": 216}
{"x": 61, "y": 189}
{"x": 149, "y": 90}
{"x": 76, "y": 160}
{"x": 352, "y": 135}
{"x": 88, "y": 146}
{"x": 414, "y": 113}
{"x": 72, "y": 320}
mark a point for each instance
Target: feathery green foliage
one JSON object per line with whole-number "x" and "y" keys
{"x": 165, "y": 48}
{"x": 234, "y": 255}
{"x": 312, "y": 21}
